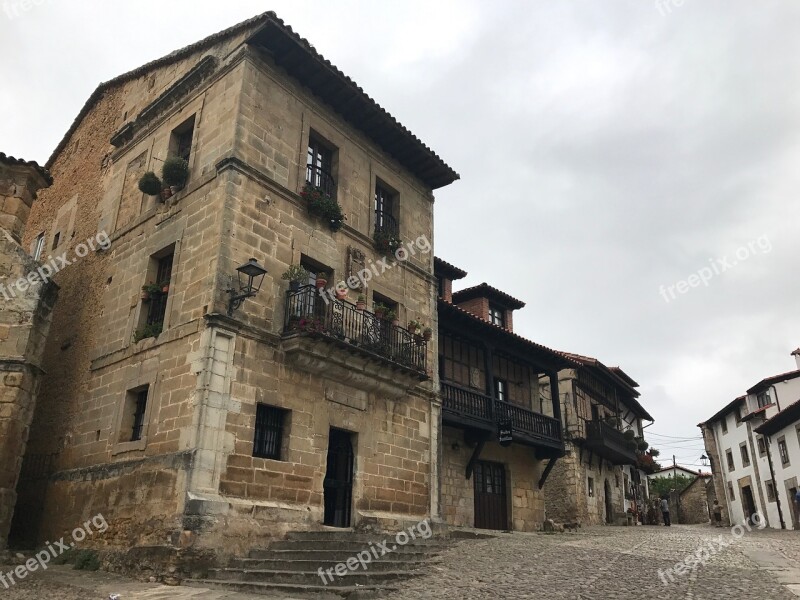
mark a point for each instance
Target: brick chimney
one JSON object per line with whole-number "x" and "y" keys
{"x": 19, "y": 182}
{"x": 796, "y": 355}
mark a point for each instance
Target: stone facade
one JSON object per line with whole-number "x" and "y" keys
{"x": 26, "y": 304}
{"x": 188, "y": 476}
{"x": 694, "y": 506}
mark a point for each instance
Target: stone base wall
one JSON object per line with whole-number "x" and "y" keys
{"x": 525, "y": 507}
{"x": 694, "y": 507}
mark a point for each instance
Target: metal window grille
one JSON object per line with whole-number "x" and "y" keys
{"x": 138, "y": 415}
{"x": 269, "y": 432}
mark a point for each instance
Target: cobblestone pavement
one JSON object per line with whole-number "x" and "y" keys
{"x": 596, "y": 563}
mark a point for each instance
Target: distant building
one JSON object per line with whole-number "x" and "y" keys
{"x": 677, "y": 470}
{"x": 755, "y": 451}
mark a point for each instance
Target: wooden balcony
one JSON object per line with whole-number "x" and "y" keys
{"x": 609, "y": 442}
{"x": 463, "y": 407}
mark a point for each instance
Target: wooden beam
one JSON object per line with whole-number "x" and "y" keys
{"x": 474, "y": 458}
{"x": 550, "y": 464}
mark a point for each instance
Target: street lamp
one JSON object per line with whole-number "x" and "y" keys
{"x": 255, "y": 277}
{"x": 704, "y": 460}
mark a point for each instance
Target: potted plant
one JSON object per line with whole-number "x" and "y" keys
{"x": 323, "y": 206}
{"x": 341, "y": 290}
{"x": 391, "y": 316}
{"x": 361, "y": 302}
{"x": 151, "y": 330}
{"x": 149, "y": 291}
{"x": 150, "y": 184}
{"x": 166, "y": 193}
{"x": 380, "y": 309}
{"x": 165, "y": 287}
{"x": 629, "y": 435}
{"x": 642, "y": 445}
{"x": 415, "y": 327}
{"x": 322, "y": 280}
{"x": 295, "y": 275}
{"x": 427, "y": 334}
{"x": 175, "y": 173}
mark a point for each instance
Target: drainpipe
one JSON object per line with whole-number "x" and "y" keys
{"x": 772, "y": 476}
{"x": 777, "y": 403}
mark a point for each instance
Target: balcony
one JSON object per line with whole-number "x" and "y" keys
{"x": 609, "y": 442}
{"x": 467, "y": 408}
{"x": 349, "y": 332}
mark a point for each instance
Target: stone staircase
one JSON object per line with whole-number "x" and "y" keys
{"x": 291, "y": 567}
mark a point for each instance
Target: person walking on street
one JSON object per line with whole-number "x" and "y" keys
{"x": 717, "y": 513}
{"x": 665, "y": 511}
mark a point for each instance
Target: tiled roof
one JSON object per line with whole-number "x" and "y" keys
{"x": 725, "y": 410}
{"x": 446, "y": 268}
{"x": 323, "y": 79}
{"x": 765, "y": 383}
{"x": 486, "y": 290}
{"x": 10, "y": 160}
{"x": 562, "y": 360}
{"x": 787, "y": 416}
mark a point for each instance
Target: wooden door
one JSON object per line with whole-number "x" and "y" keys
{"x": 490, "y": 496}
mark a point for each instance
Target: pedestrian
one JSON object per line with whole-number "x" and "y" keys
{"x": 665, "y": 511}
{"x": 717, "y": 513}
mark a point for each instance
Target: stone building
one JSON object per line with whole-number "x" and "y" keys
{"x": 693, "y": 504}
{"x": 187, "y": 419}
{"x": 26, "y": 304}
{"x": 501, "y": 431}
{"x": 599, "y": 479}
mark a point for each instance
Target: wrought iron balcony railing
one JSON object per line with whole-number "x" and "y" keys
{"x": 308, "y": 312}
{"x": 386, "y": 224}
{"x": 319, "y": 177}
{"x": 468, "y": 406}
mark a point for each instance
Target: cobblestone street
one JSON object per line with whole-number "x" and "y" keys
{"x": 597, "y": 563}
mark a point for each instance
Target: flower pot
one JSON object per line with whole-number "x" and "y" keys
{"x": 341, "y": 294}
{"x": 165, "y": 289}
{"x": 321, "y": 282}
{"x": 396, "y": 322}
{"x": 427, "y": 335}
{"x": 175, "y": 189}
{"x": 145, "y": 296}
{"x": 361, "y": 305}
{"x": 166, "y": 193}
{"x": 294, "y": 285}
{"x": 380, "y": 313}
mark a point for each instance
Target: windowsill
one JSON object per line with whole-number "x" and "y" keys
{"x": 122, "y": 447}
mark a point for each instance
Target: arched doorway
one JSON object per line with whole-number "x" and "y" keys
{"x": 609, "y": 503}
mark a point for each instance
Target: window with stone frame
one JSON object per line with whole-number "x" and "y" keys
{"x": 724, "y": 423}
{"x": 590, "y": 488}
{"x": 320, "y": 164}
{"x": 745, "y": 454}
{"x": 770, "y": 485}
{"x": 38, "y": 246}
{"x": 729, "y": 457}
{"x": 180, "y": 140}
{"x": 783, "y": 451}
{"x": 386, "y": 211}
{"x": 737, "y": 412}
{"x": 730, "y": 491}
{"x": 763, "y": 399}
{"x": 762, "y": 445}
{"x": 269, "y": 432}
{"x": 158, "y": 280}
{"x": 134, "y": 411}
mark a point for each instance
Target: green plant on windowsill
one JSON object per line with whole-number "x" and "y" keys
{"x": 151, "y": 330}
{"x": 386, "y": 242}
{"x": 296, "y": 274}
{"x": 175, "y": 172}
{"x": 150, "y": 184}
{"x": 323, "y": 206}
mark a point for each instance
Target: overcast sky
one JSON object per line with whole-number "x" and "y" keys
{"x": 606, "y": 149}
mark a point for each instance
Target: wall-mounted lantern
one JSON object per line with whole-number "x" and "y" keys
{"x": 254, "y": 273}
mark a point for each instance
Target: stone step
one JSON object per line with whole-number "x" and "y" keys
{"x": 348, "y": 545}
{"x": 336, "y": 555}
{"x": 357, "y": 537}
{"x": 359, "y": 576}
{"x": 317, "y": 592}
{"x": 386, "y": 563}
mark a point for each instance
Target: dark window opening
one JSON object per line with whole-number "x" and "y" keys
{"x": 729, "y": 456}
{"x": 763, "y": 399}
{"x": 385, "y": 212}
{"x": 138, "y": 415}
{"x": 724, "y": 423}
{"x": 180, "y": 143}
{"x": 56, "y": 240}
{"x": 784, "y": 453}
{"x": 269, "y": 432}
{"x": 745, "y": 455}
{"x": 157, "y": 309}
{"x": 319, "y": 165}
{"x": 497, "y": 316}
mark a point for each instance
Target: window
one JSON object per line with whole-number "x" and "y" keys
{"x": 730, "y": 491}
{"x": 38, "y": 246}
{"x": 591, "y": 487}
{"x": 762, "y": 446}
{"x": 783, "y": 452}
{"x": 738, "y": 414}
{"x": 770, "y": 491}
{"x": 729, "y": 456}
{"x": 319, "y": 165}
{"x": 155, "y": 295}
{"x": 501, "y": 389}
{"x": 157, "y": 310}
{"x": 133, "y": 423}
{"x": 745, "y": 454}
{"x": 724, "y": 424}
{"x": 56, "y": 240}
{"x": 763, "y": 399}
{"x": 180, "y": 143}
{"x": 385, "y": 212}
{"x": 269, "y": 432}
{"x": 138, "y": 415}
{"x": 497, "y": 316}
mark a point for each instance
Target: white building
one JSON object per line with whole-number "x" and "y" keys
{"x": 675, "y": 471}
{"x": 753, "y": 443}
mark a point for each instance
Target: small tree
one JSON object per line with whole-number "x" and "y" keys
{"x": 661, "y": 486}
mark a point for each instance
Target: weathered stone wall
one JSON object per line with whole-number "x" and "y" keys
{"x": 717, "y": 475}
{"x": 525, "y": 509}
{"x": 25, "y": 311}
{"x": 694, "y": 503}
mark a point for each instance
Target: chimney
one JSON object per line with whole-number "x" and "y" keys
{"x": 19, "y": 182}
{"x": 796, "y": 355}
